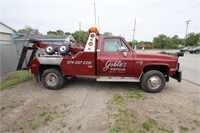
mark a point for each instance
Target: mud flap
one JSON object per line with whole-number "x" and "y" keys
{"x": 178, "y": 75}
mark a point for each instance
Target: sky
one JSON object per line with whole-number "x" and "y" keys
{"x": 153, "y": 17}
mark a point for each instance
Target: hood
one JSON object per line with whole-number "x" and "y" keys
{"x": 154, "y": 57}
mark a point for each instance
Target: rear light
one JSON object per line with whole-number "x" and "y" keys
{"x": 92, "y": 35}
{"x": 90, "y": 43}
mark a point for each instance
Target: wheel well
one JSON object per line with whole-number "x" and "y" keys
{"x": 161, "y": 68}
{"x": 42, "y": 68}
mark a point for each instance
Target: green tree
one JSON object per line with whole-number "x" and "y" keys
{"x": 193, "y": 39}
{"x": 162, "y": 41}
{"x": 67, "y": 33}
{"x": 60, "y": 32}
{"x": 52, "y": 33}
{"x": 175, "y": 41}
{"x": 144, "y": 42}
{"x": 131, "y": 43}
{"x": 81, "y": 36}
{"x": 29, "y": 30}
{"x": 107, "y": 34}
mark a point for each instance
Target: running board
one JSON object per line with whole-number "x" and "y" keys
{"x": 23, "y": 56}
{"x": 117, "y": 79}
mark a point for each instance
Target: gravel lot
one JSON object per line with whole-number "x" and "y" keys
{"x": 87, "y": 106}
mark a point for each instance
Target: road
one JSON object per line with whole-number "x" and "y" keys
{"x": 189, "y": 64}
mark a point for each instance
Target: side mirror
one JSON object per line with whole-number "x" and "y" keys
{"x": 123, "y": 49}
{"x": 180, "y": 54}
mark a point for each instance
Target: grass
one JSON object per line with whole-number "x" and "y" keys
{"x": 63, "y": 124}
{"x": 79, "y": 126}
{"x": 46, "y": 117}
{"x": 136, "y": 94}
{"x": 12, "y": 105}
{"x": 125, "y": 120}
{"x": 15, "y": 78}
{"x": 121, "y": 114}
{"x": 65, "y": 105}
{"x": 8, "y": 106}
{"x": 183, "y": 129}
{"x": 118, "y": 99}
{"x": 33, "y": 124}
{"x": 19, "y": 127}
{"x": 196, "y": 122}
{"x": 149, "y": 123}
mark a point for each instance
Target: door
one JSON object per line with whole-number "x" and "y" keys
{"x": 115, "y": 58}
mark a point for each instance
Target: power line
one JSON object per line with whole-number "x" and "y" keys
{"x": 167, "y": 15}
{"x": 155, "y": 19}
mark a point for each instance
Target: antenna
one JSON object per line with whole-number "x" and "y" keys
{"x": 95, "y": 16}
{"x": 98, "y": 24}
{"x": 134, "y": 31}
{"x": 79, "y": 32}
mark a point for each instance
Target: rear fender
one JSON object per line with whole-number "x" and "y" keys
{"x": 44, "y": 67}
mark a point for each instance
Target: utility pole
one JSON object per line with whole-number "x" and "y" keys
{"x": 134, "y": 32}
{"x": 95, "y": 16}
{"x": 187, "y": 23}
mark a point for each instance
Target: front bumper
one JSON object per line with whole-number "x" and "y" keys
{"x": 178, "y": 74}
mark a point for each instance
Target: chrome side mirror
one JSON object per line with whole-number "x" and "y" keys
{"x": 122, "y": 49}
{"x": 125, "y": 54}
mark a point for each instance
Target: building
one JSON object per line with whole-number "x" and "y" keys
{"x": 145, "y": 46}
{"x": 7, "y": 49}
{"x": 6, "y": 33}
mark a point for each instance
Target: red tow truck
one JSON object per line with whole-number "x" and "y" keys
{"x": 108, "y": 58}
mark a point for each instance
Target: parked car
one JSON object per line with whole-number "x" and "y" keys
{"x": 195, "y": 50}
{"x": 186, "y": 49}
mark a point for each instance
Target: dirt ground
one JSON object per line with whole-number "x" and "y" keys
{"x": 83, "y": 106}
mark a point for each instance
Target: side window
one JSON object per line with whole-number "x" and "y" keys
{"x": 124, "y": 45}
{"x": 113, "y": 45}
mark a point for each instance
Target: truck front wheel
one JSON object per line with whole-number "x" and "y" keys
{"x": 153, "y": 81}
{"x": 52, "y": 79}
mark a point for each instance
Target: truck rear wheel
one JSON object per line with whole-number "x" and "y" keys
{"x": 52, "y": 79}
{"x": 153, "y": 81}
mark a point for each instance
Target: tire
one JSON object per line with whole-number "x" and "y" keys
{"x": 197, "y": 52}
{"x": 52, "y": 79}
{"x": 63, "y": 49}
{"x": 153, "y": 81}
{"x": 50, "y": 50}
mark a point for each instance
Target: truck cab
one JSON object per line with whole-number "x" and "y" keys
{"x": 108, "y": 58}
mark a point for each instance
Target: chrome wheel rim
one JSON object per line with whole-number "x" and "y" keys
{"x": 51, "y": 79}
{"x": 49, "y": 49}
{"x": 154, "y": 82}
{"x": 63, "y": 48}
